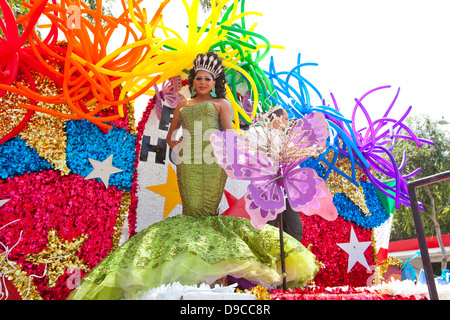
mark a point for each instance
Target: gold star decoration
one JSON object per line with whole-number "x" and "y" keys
{"x": 338, "y": 184}
{"x": 59, "y": 255}
{"x": 19, "y": 278}
{"x": 169, "y": 190}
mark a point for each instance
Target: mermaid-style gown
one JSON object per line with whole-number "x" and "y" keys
{"x": 198, "y": 245}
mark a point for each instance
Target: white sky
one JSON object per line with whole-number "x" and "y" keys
{"x": 359, "y": 45}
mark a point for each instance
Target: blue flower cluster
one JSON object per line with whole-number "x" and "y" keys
{"x": 85, "y": 140}
{"x": 16, "y": 158}
{"x": 313, "y": 164}
{"x": 351, "y": 212}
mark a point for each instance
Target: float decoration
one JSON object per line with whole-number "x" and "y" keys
{"x": 363, "y": 148}
{"x": 65, "y": 102}
{"x": 274, "y": 172}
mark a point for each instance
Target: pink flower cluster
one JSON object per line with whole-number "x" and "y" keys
{"x": 71, "y": 205}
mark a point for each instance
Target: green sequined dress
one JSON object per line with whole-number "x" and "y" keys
{"x": 197, "y": 246}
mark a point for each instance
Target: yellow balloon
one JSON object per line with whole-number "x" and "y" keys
{"x": 252, "y": 84}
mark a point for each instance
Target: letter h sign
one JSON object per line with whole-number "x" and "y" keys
{"x": 160, "y": 148}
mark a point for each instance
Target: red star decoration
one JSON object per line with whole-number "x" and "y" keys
{"x": 236, "y": 206}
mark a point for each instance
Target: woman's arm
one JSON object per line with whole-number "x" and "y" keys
{"x": 175, "y": 124}
{"x": 225, "y": 115}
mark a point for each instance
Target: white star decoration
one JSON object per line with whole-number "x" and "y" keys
{"x": 355, "y": 250}
{"x": 2, "y": 202}
{"x": 102, "y": 170}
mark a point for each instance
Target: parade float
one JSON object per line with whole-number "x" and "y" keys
{"x": 80, "y": 174}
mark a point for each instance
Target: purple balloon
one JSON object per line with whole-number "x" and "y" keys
{"x": 372, "y": 143}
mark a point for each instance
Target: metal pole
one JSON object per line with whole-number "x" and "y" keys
{"x": 422, "y": 243}
{"x": 283, "y": 265}
{"x": 419, "y": 227}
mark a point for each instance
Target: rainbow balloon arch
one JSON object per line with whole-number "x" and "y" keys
{"x": 67, "y": 106}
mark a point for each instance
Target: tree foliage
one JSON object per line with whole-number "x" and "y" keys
{"x": 106, "y": 7}
{"x": 206, "y": 6}
{"x": 432, "y": 159}
{"x": 18, "y": 9}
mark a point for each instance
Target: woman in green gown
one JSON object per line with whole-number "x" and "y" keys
{"x": 198, "y": 246}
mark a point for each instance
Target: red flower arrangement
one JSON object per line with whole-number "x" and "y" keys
{"x": 134, "y": 200}
{"x": 337, "y": 293}
{"x": 322, "y": 236}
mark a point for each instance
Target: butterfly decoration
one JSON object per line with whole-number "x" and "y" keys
{"x": 247, "y": 104}
{"x": 169, "y": 93}
{"x": 269, "y": 158}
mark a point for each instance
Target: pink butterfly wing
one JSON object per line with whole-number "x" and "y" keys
{"x": 170, "y": 91}
{"x": 158, "y": 102}
{"x": 308, "y": 193}
{"x": 258, "y": 215}
{"x": 265, "y": 197}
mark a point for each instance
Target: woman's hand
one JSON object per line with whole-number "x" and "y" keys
{"x": 174, "y": 125}
{"x": 174, "y": 145}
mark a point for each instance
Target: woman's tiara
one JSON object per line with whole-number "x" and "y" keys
{"x": 209, "y": 64}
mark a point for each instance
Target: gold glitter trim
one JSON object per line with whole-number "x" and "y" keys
{"x": 260, "y": 292}
{"x": 43, "y": 132}
{"x": 336, "y": 183}
{"x": 59, "y": 255}
{"x": 131, "y": 118}
{"x": 390, "y": 261}
{"x": 19, "y": 278}
{"x": 123, "y": 213}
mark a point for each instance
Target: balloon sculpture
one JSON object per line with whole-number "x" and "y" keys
{"x": 364, "y": 148}
{"x": 90, "y": 74}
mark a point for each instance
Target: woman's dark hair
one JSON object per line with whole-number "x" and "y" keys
{"x": 220, "y": 80}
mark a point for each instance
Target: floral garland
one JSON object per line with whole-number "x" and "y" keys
{"x": 353, "y": 213}
{"x": 17, "y": 158}
{"x": 85, "y": 140}
{"x": 132, "y": 216}
{"x": 322, "y": 237}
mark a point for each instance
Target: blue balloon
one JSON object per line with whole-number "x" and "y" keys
{"x": 298, "y": 104}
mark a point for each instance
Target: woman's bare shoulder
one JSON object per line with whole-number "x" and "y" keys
{"x": 183, "y": 102}
{"x": 222, "y": 103}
